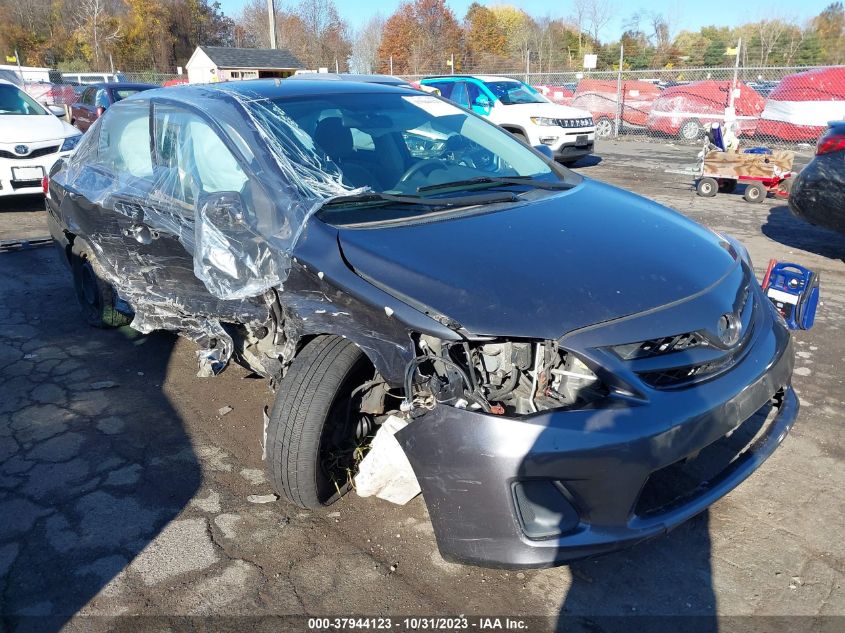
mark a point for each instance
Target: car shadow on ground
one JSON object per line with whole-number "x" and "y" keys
{"x": 94, "y": 460}
{"x": 22, "y": 203}
{"x": 781, "y": 226}
{"x": 628, "y": 590}
{"x": 587, "y": 161}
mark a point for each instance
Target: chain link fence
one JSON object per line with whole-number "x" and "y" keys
{"x": 777, "y": 106}
{"x": 782, "y": 106}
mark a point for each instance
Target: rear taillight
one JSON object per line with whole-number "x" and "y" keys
{"x": 45, "y": 185}
{"x": 830, "y": 142}
{"x": 100, "y": 110}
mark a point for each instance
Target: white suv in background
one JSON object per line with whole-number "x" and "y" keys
{"x": 518, "y": 108}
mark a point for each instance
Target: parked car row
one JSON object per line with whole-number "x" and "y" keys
{"x": 796, "y": 109}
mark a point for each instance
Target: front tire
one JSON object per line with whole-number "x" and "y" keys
{"x": 690, "y": 130}
{"x": 707, "y": 187}
{"x": 604, "y": 128}
{"x": 313, "y": 430}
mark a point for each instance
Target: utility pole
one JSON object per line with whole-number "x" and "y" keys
{"x": 391, "y": 64}
{"x": 336, "y": 67}
{"x": 271, "y": 15}
{"x": 452, "y": 63}
{"x": 619, "y": 105}
{"x": 527, "y": 64}
{"x": 736, "y": 74}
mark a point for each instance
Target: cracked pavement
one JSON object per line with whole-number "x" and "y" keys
{"x": 123, "y": 491}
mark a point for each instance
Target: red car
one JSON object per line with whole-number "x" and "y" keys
{"x": 556, "y": 94}
{"x": 49, "y": 94}
{"x": 599, "y": 98}
{"x": 688, "y": 110}
{"x": 802, "y": 104}
{"x": 96, "y": 99}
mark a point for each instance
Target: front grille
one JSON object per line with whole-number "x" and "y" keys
{"x": 588, "y": 122}
{"x": 36, "y": 153}
{"x": 683, "y": 481}
{"x": 673, "y": 376}
{"x": 658, "y": 346}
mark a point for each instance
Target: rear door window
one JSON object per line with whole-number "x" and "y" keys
{"x": 124, "y": 143}
{"x": 191, "y": 160}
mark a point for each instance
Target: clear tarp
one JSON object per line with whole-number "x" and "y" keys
{"x": 148, "y": 173}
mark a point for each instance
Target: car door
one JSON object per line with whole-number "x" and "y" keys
{"x": 83, "y": 111}
{"x": 204, "y": 199}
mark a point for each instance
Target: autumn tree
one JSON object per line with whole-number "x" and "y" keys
{"x": 420, "y": 37}
{"x": 486, "y": 41}
{"x": 829, "y": 25}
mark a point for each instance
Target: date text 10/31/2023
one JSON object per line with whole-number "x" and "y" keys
{"x": 418, "y": 623}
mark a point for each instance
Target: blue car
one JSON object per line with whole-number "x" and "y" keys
{"x": 562, "y": 368}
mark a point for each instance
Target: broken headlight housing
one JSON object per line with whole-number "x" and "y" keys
{"x": 499, "y": 376}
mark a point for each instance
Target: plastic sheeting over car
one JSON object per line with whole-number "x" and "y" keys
{"x": 600, "y": 98}
{"x": 704, "y": 102}
{"x": 799, "y": 108}
{"x": 163, "y": 169}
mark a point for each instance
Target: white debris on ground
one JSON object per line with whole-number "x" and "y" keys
{"x": 385, "y": 471}
{"x": 262, "y": 498}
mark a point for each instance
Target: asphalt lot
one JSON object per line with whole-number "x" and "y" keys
{"x": 124, "y": 491}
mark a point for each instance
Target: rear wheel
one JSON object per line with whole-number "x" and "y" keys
{"x": 690, "y": 130}
{"x": 96, "y": 296}
{"x": 316, "y": 429}
{"x": 785, "y": 187}
{"x": 707, "y": 187}
{"x": 754, "y": 192}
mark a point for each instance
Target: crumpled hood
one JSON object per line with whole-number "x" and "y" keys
{"x": 544, "y": 268}
{"x": 551, "y": 110}
{"x": 17, "y": 128}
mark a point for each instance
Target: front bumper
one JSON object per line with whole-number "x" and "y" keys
{"x": 468, "y": 463}
{"x": 565, "y": 143}
{"x": 20, "y": 176}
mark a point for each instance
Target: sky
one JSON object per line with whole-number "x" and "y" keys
{"x": 685, "y": 15}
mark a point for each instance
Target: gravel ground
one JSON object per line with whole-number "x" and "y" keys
{"x": 123, "y": 491}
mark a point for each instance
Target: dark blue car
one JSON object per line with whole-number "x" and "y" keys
{"x": 569, "y": 368}
{"x": 818, "y": 193}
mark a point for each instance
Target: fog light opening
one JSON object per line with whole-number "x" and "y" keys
{"x": 543, "y": 509}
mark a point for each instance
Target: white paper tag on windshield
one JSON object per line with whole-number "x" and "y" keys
{"x": 433, "y": 105}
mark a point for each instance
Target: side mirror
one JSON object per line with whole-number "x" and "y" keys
{"x": 225, "y": 209}
{"x": 545, "y": 150}
{"x": 56, "y": 110}
{"x": 483, "y": 102}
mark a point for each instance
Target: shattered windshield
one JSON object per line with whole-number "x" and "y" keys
{"x": 396, "y": 143}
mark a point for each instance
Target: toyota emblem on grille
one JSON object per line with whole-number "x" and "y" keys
{"x": 20, "y": 150}
{"x": 728, "y": 329}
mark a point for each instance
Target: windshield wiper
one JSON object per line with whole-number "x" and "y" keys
{"x": 456, "y": 201}
{"x": 504, "y": 180}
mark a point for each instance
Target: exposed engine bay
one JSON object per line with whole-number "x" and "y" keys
{"x": 500, "y": 377}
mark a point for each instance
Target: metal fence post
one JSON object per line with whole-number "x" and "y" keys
{"x": 617, "y": 123}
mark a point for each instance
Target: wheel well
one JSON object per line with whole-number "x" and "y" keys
{"x": 514, "y": 128}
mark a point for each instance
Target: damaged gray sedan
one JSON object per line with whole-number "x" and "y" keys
{"x": 566, "y": 368}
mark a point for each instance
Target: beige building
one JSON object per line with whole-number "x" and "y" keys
{"x": 218, "y": 63}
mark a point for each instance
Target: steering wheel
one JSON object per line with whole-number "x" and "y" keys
{"x": 430, "y": 164}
